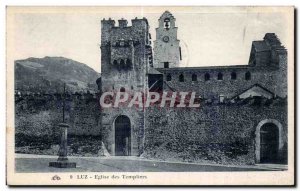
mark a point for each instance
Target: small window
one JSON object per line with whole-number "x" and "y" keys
{"x": 220, "y": 76}
{"x": 150, "y": 61}
{"x": 180, "y": 56}
{"x": 207, "y": 77}
{"x": 169, "y": 77}
{"x": 122, "y": 89}
{"x": 167, "y": 23}
{"x": 128, "y": 62}
{"x": 115, "y": 62}
{"x": 166, "y": 64}
{"x": 221, "y": 98}
{"x": 248, "y": 76}
{"x": 122, "y": 64}
{"x": 181, "y": 78}
{"x": 194, "y": 77}
{"x": 233, "y": 75}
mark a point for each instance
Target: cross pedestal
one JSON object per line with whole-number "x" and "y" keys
{"x": 62, "y": 161}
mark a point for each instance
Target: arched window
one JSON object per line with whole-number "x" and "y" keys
{"x": 122, "y": 64}
{"x": 128, "y": 62}
{"x": 181, "y": 78}
{"x": 122, "y": 89}
{"x": 194, "y": 77}
{"x": 169, "y": 77}
{"x": 115, "y": 62}
{"x": 220, "y": 76}
{"x": 167, "y": 23}
{"x": 206, "y": 77}
{"x": 166, "y": 64}
{"x": 233, "y": 75}
{"x": 248, "y": 76}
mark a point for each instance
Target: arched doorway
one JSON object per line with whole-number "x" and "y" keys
{"x": 269, "y": 142}
{"x": 122, "y": 136}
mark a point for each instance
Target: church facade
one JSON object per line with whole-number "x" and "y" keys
{"x": 243, "y": 109}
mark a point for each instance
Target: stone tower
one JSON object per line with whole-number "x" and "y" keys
{"x": 167, "y": 52}
{"x": 126, "y": 55}
{"x": 270, "y": 55}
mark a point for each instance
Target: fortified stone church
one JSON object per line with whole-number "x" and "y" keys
{"x": 128, "y": 64}
{"x": 242, "y": 118}
{"x": 243, "y": 106}
{"x": 243, "y": 109}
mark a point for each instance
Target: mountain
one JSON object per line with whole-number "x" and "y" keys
{"x": 48, "y": 74}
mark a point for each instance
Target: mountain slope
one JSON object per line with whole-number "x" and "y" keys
{"x": 48, "y": 74}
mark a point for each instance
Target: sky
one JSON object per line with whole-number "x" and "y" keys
{"x": 209, "y": 36}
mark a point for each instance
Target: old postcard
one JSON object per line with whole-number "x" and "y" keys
{"x": 150, "y": 96}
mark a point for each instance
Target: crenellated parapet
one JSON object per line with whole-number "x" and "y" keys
{"x": 55, "y": 96}
{"x": 126, "y": 53}
{"x": 110, "y": 30}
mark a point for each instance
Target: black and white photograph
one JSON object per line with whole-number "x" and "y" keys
{"x": 150, "y": 95}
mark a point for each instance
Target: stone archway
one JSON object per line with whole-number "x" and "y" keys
{"x": 122, "y": 136}
{"x": 268, "y": 141}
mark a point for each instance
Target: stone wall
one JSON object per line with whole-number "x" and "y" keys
{"x": 213, "y": 88}
{"x": 39, "y": 115}
{"x": 220, "y": 133}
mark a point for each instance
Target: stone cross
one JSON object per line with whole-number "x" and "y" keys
{"x": 62, "y": 161}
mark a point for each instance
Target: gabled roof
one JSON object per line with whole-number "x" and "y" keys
{"x": 168, "y": 86}
{"x": 153, "y": 71}
{"x": 255, "y": 90}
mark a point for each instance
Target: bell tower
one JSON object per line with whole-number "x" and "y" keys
{"x": 167, "y": 51}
